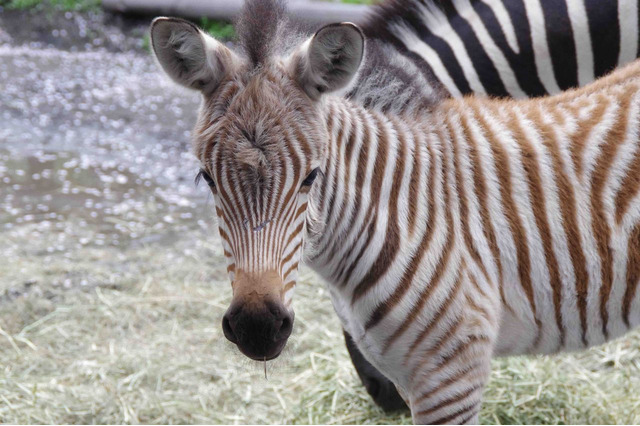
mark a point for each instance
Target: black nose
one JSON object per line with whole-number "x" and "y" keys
{"x": 259, "y": 332}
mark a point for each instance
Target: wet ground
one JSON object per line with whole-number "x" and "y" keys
{"x": 94, "y": 146}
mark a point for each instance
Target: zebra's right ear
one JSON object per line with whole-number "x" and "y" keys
{"x": 190, "y": 57}
{"x": 329, "y": 60}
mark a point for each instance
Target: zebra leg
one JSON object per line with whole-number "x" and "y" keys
{"x": 381, "y": 389}
{"x": 448, "y": 389}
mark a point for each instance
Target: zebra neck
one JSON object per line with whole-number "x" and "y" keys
{"x": 374, "y": 194}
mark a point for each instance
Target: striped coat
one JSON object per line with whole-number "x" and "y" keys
{"x": 484, "y": 228}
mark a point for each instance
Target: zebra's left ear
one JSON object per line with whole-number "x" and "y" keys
{"x": 189, "y": 56}
{"x": 329, "y": 60}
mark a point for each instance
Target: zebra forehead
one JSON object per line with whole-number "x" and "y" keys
{"x": 262, "y": 121}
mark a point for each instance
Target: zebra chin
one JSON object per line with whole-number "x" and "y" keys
{"x": 257, "y": 321}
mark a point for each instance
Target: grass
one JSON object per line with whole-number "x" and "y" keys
{"x": 108, "y": 335}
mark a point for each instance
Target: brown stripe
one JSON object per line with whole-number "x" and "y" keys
{"x": 442, "y": 263}
{"x": 628, "y": 188}
{"x": 356, "y": 205}
{"x": 288, "y": 286}
{"x": 370, "y": 224}
{"x": 473, "y": 281}
{"x": 304, "y": 143}
{"x": 478, "y": 309}
{"x": 630, "y": 184}
{"x": 350, "y": 192}
{"x": 569, "y": 216}
{"x": 463, "y": 197}
{"x": 290, "y": 255}
{"x": 405, "y": 282}
{"x": 460, "y": 348}
{"x": 462, "y": 411}
{"x": 301, "y": 209}
{"x": 340, "y": 140}
{"x": 293, "y": 234}
{"x": 438, "y": 315}
{"x": 333, "y": 119}
{"x": 333, "y": 187}
{"x": 480, "y": 189}
{"x": 531, "y": 165}
{"x": 414, "y": 184}
{"x": 601, "y": 232}
{"x": 580, "y": 137}
{"x": 503, "y": 173}
{"x": 297, "y": 177}
{"x": 291, "y": 269}
{"x": 450, "y": 401}
{"x": 473, "y": 413}
{"x": 361, "y": 172}
{"x": 633, "y": 272}
{"x": 448, "y": 381}
{"x": 224, "y": 235}
{"x": 389, "y": 249}
{"x": 436, "y": 348}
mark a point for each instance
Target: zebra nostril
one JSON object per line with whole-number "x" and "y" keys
{"x": 227, "y": 329}
{"x": 285, "y": 329}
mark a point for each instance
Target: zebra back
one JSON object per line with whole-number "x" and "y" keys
{"x": 518, "y": 48}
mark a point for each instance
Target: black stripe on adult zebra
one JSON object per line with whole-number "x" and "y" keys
{"x": 449, "y": 231}
{"x": 517, "y": 48}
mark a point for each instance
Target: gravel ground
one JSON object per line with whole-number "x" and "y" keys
{"x": 112, "y": 281}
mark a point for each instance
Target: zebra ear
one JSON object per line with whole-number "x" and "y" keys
{"x": 190, "y": 57}
{"x": 330, "y": 59}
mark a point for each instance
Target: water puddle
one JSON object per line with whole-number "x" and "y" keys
{"x": 89, "y": 202}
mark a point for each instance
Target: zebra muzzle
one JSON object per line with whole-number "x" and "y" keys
{"x": 259, "y": 328}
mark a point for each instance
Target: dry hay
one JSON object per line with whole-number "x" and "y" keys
{"x": 103, "y": 335}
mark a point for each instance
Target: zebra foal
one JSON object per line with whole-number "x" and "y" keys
{"x": 448, "y": 230}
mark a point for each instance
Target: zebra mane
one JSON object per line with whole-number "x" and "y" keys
{"x": 264, "y": 31}
{"x": 389, "y": 79}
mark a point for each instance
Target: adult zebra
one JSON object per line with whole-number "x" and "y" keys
{"x": 516, "y": 48}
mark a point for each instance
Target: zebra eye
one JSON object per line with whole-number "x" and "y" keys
{"x": 311, "y": 177}
{"x": 204, "y": 175}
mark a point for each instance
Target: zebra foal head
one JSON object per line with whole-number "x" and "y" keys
{"x": 261, "y": 139}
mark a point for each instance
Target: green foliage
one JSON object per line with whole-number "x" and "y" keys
{"x": 146, "y": 42}
{"x": 20, "y": 4}
{"x": 77, "y": 5}
{"x": 221, "y": 30}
